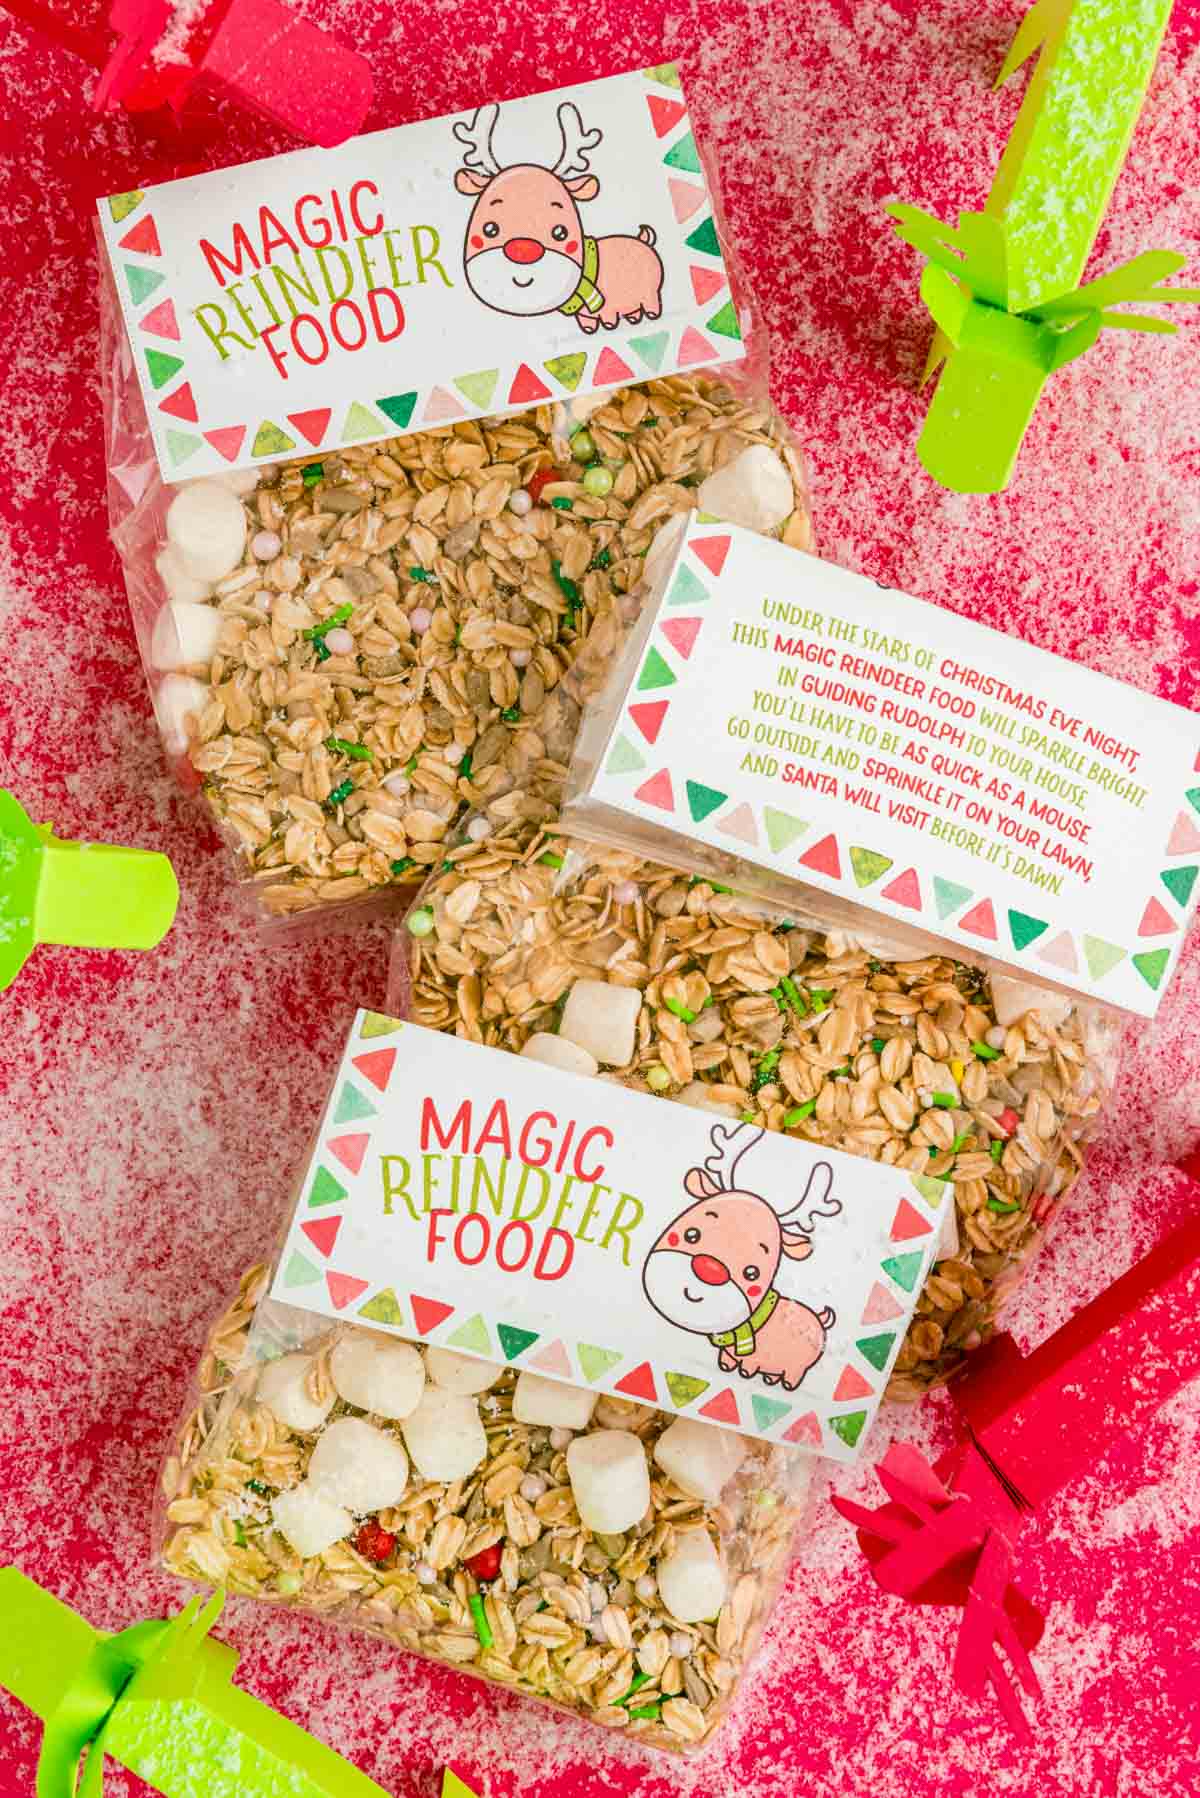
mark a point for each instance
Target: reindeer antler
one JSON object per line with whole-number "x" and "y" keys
{"x": 576, "y": 142}
{"x": 722, "y": 1164}
{"x": 816, "y": 1200}
{"x": 477, "y": 138}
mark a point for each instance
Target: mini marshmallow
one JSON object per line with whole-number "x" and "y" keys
{"x": 358, "y": 1466}
{"x": 602, "y": 1019}
{"x": 691, "y": 1580}
{"x": 1013, "y": 998}
{"x": 557, "y": 1052}
{"x": 175, "y": 577}
{"x": 552, "y": 1403}
{"x": 699, "y": 1458}
{"x": 310, "y": 1519}
{"x": 699, "y": 1096}
{"x": 610, "y": 1480}
{"x": 444, "y": 1435}
{"x": 176, "y": 699}
{"x": 184, "y": 633}
{"x": 754, "y": 490}
{"x": 283, "y": 1388}
{"x": 207, "y": 526}
{"x": 377, "y": 1374}
{"x": 460, "y": 1373}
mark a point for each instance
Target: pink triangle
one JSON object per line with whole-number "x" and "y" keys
{"x": 881, "y": 1306}
{"x": 181, "y": 404}
{"x": 681, "y": 633}
{"x": 376, "y": 1067}
{"x": 740, "y": 824}
{"x": 722, "y": 1409}
{"x": 904, "y": 890}
{"x": 665, "y": 113}
{"x": 1185, "y": 838}
{"x": 554, "y": 1359}
{"x": 706, "y": 282}
{"x": 851, "y": 1385}
{"x": 442, "y": 405}
{"x": 639, "y": 1384}
{"x": 980, "y": 920}
{"x": 712, "y": 551}
{"x": 908, "y": 1223}
{"x": 685, "y": 198}
{"x": 349, "y": 1150}
{"x": 143, "y": 237}
{"x": 312, "y": 426}
{"x": 1196, "y": 763}
{"x": 161, "y": 321}
{"x": 343, "y": 1288}
{"x": 610, "y": 368}
{"x": 1061, "y": 953}
{"x": 805, "y": 1429}
{"x": 649, "y": 717}
{"x": 657, "y": 791}
{"x": 322, "y": 1233}
{"x": 227, "y": 441}
{"x": 429, "y": 1313}
{"x": 526, "y": 389}
{"x": 134, "y": 481}
{"x": 823, "y": 858}
{"x": 694, "y": 348}
{"x": 1156, "y": 921}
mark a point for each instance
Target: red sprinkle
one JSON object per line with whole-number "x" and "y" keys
{"x": 1008, "y": 1120}
{"x": 486, "y": 1564}
{"x": 373, "y": 1542}
{"x": 541, "y": 479}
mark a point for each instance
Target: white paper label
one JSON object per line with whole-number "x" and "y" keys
{"x": 485, "y": 262}
{"x": 465, "y": 1196}
{"x": 929, "y": 769}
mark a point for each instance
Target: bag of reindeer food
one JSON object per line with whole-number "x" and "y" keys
{"x": 843, "y": 866}
{"x": 530, "y": 1384}
{"x": 390, "y": 431}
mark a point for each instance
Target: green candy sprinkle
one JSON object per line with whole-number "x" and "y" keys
{"x": 748, "y": 1117}
{"x": 985, "y": 1052}
{"x": 680, "y": 1010}
{"x": 653, "y": 1711}
{"x": 316, "y": 632}
{"x": 550, "y": 860}
{"x": 239, "y": 1533}
{"x": 563, "y": 504}
{"x": 603, "y": 560}
{"x": 403, "y": 865}
{"x": 598, "y": 480}
{"x": 582, "y": 446}
{"x": 257, "y": 1487}
{"x": 957, "y": 1145}
{"x": 820, "y": 996}
{"x": 410, "y": 764}
{"x": 798, "y": 1115}
{"x": 342, "y": 791}
{"x": 996, "y": 1150}
{"x": 946, "y": 1101}
{"x": 417, "y": 573}
{"x": 511, "y": 714}
{"x": 357, "y": 752}
{"x": 420, "y": 922}
{"x": 1002, "y": 1205}
{"x": 877, "y": 1043}
{"x": 639, "y": 1680}
{"x": 311, "y": 473}
{"x": 657, "y": 1078}
{"x": 567, "y": 587}
{"x": 479, "y": 1617}
{"x": 464, "y": 767}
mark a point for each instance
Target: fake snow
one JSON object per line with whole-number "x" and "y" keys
{"x": 152, "y": 1109}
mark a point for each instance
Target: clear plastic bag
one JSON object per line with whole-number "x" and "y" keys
{"x": 387, "y": 648}
{"x": 872, "y": 1045}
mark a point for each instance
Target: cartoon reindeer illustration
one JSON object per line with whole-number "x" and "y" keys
{"x": 713, "y": 1268}
{"x": 526, "y": 251}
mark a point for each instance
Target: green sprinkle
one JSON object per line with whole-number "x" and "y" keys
{"x": 316, "y": 632}
{"x": 985, "y": 1052}
{"x": 464, "y": 767}
{"x": 717, "y": 888}
{"x": 946, "y": 1101}
{"x": 239, "y": 1533}
{"x": 766, "y": 1500}
{"x": 996, "y": 1150}
{"x": 798, "y": 1115}
{"x": 357, "y": 752}
{"x": 793, "y": 996}
{"x": 311, "y": 473}
{"x": 876, "y": 967}
{"x": 957, "y": 1145}
{"x": 479, "y": 1615}
{"x": 446, "y": 866}
{"x": 709, "y": 1001}
{"x": 288, "y": 1582}
{"x": 680, "y": 1010}
{"x": 932, "y": 1153}
{"x": 603, "y": 560}
{"x": 258, "y": 1487}
{"x": 582, "y": 446}
{"x": 877, "y": 1043}
{"x": 657, "y": 1078}
{"x": 639, "y": 1680}
{"x": 417, "y": 573}
{"x": 550, "y": 860}
{"x": 420, "y": 922}
{"x": 403, "y": 865}
{"x": 323, "y": 654}
{"x": 748, "y": 1117}
{"x": 567, "y": 587}
{"x": 563, "y": 504}
{"x": 648, "y": 424}
{"x": 1003, "y": 1205}
{"x": 342, "y": 791}
{"x": 840, "y": 1074}
{"x": 653, "y": 1711}
{"x": 511, "y": 714}
{"x": 410, "y": 764}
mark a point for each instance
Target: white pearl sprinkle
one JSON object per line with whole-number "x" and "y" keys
{"x": 420, "y": 618}
{"x": 266, "y": 545}
{"x": 646, "y": 1587}
{"x": 453, "y": 753}
{"x": 520, "y": 658}
{"x": 560, "y": 1438}
{"x": 519, "y": 501}
{"x": 425, "y": 1573}
{"x": 339, "y": 642}
{"x": 532, "y": 1487}
{"x": 478, "y": 829}
{"x": 681, "y": 1643}
{"x": 625, "y": 892}
{"x": 398, "y": 784}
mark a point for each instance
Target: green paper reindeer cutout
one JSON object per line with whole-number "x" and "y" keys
{"x": 1001, "y": 287}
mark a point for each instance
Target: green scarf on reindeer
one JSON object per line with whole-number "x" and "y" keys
{"x": 586, "y": 293}
{"x": 741, "y": 1339}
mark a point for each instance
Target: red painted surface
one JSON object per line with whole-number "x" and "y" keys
{"x": 152, "y": 1109}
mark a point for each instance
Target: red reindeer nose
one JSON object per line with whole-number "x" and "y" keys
{"x": 710, "y": 1270}
{"x": 524, "y": 249}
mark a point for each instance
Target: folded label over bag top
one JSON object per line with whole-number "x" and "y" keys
{"x": 812, "y": 723}
{"x": 471, "y": 1198}
{"x": 488, "y": 261}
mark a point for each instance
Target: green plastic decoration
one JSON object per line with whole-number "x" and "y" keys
{"x": 84, "y": 895}
{"x": 157, "y": 1698}
{"x": 1003, "y": 288}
